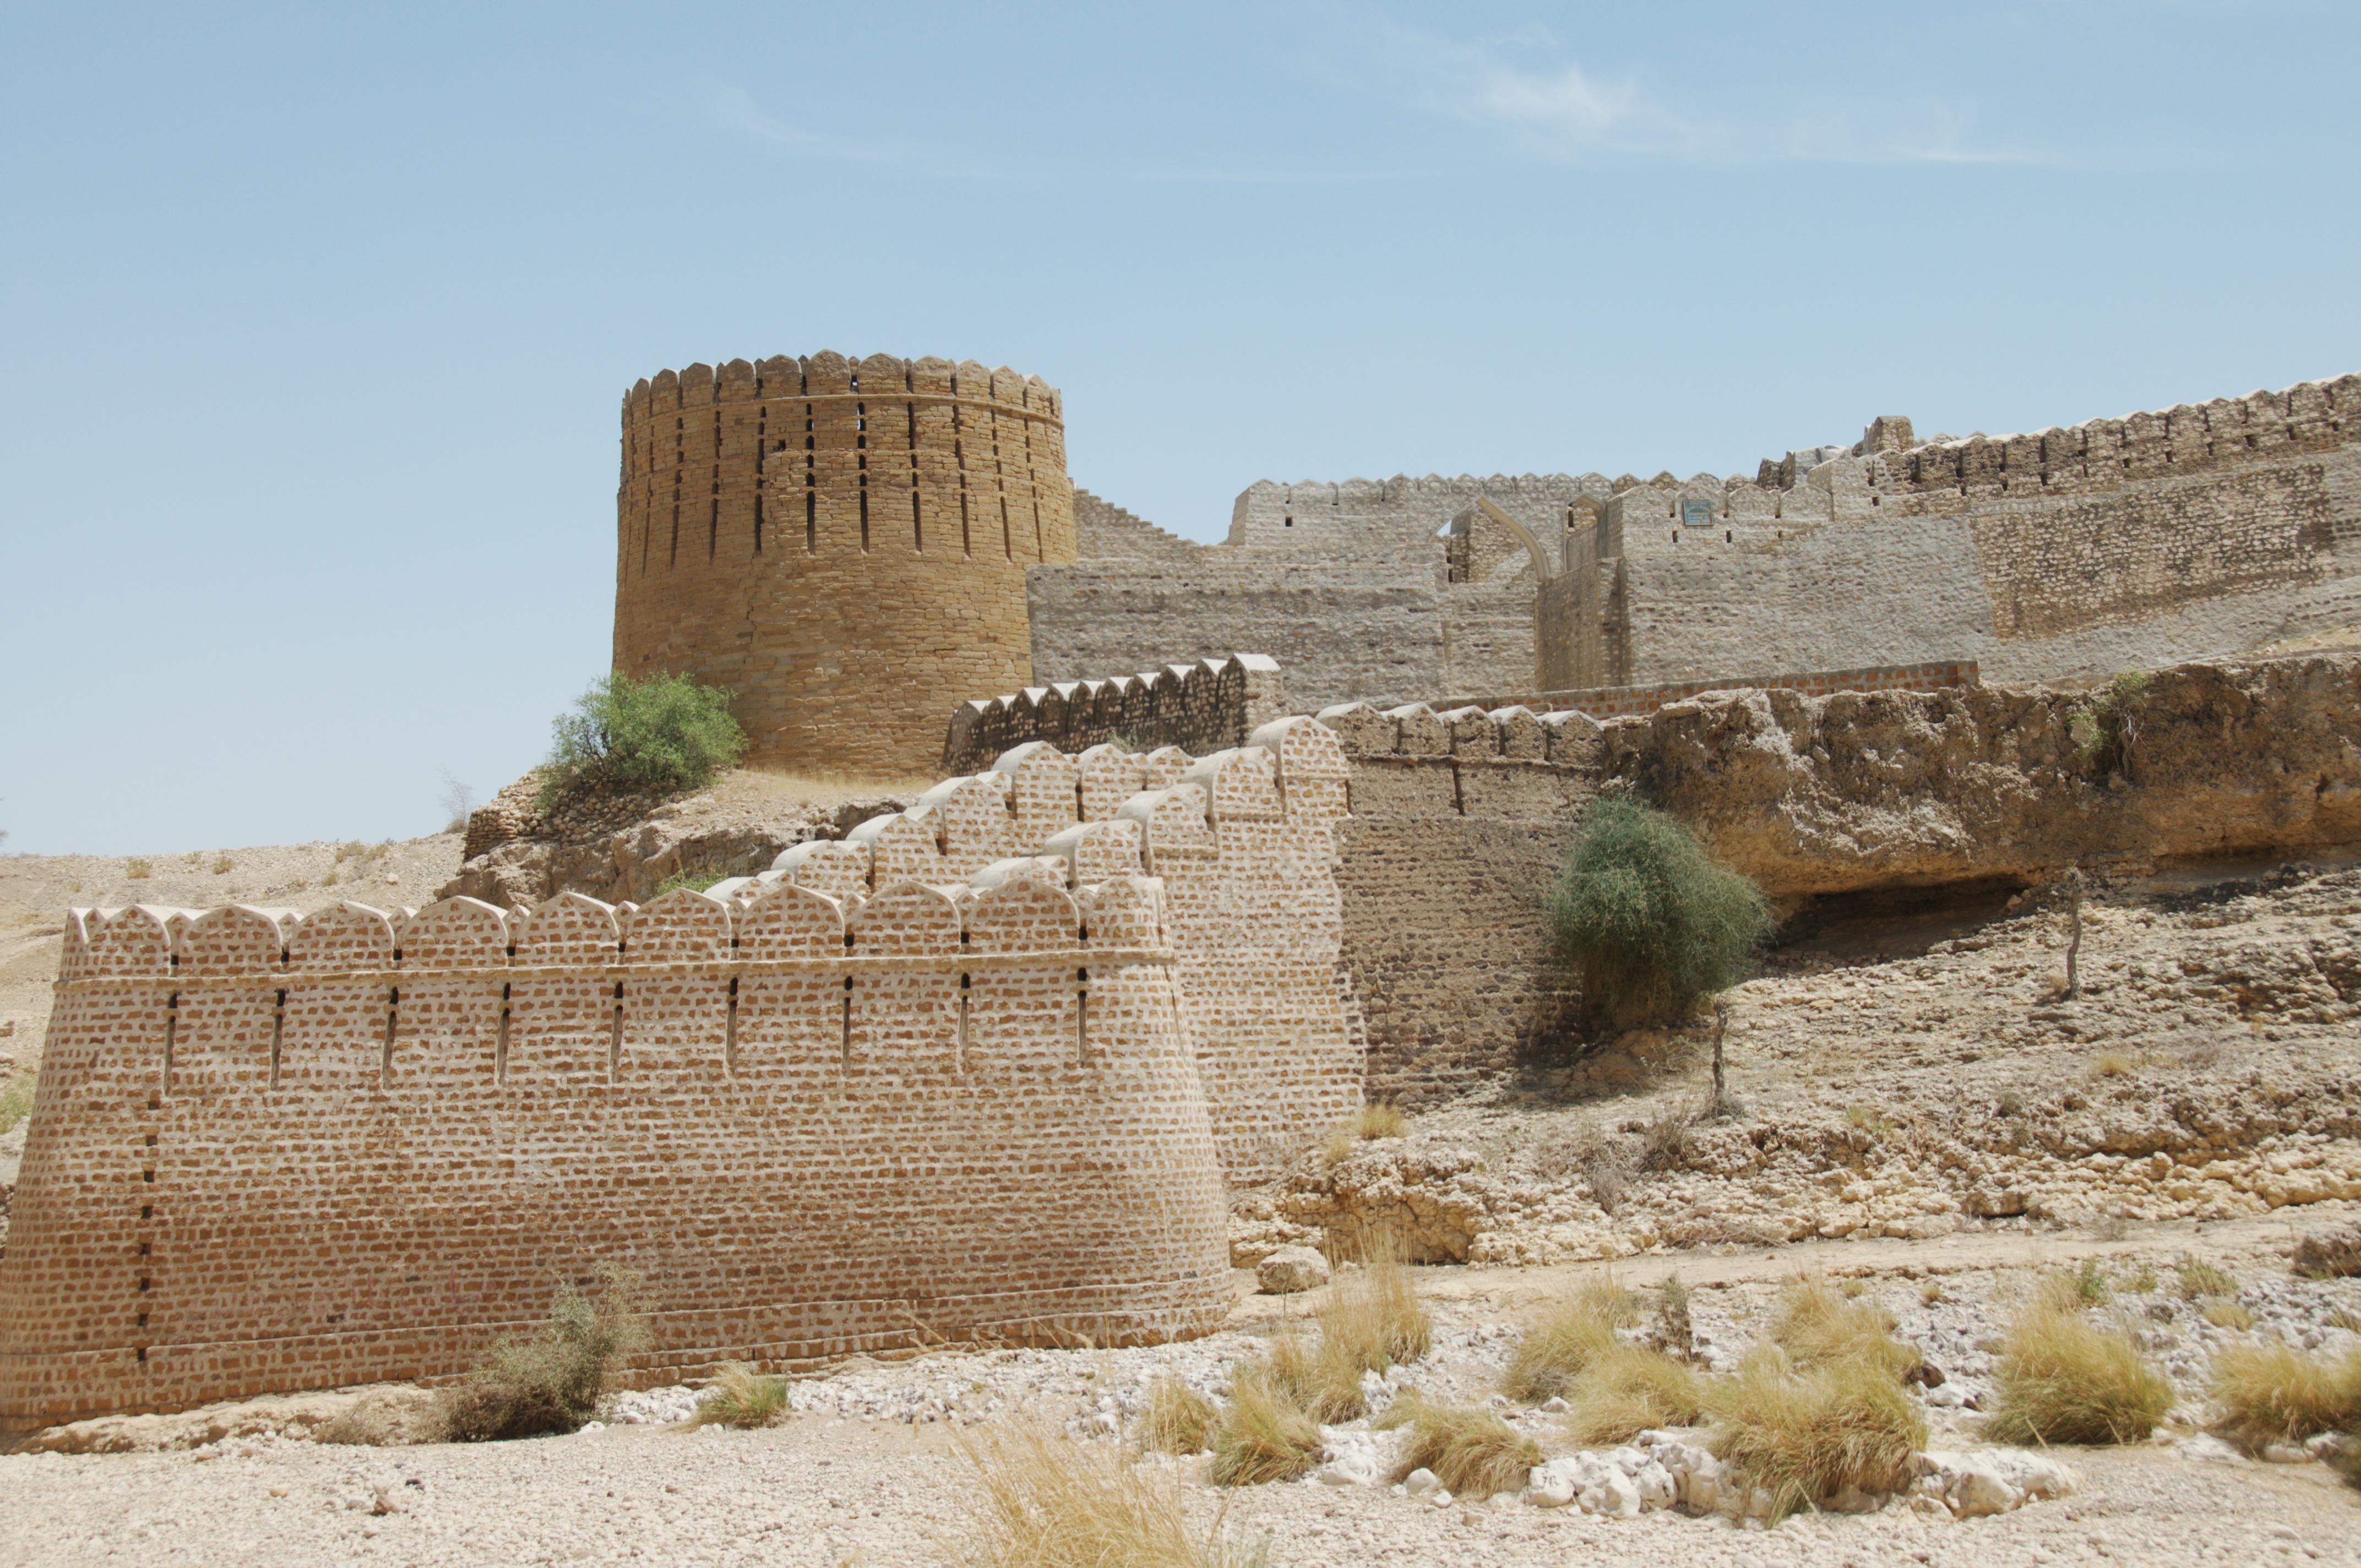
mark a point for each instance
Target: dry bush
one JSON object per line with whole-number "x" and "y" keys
{"x": 1675, "y": 1334}
{"x": 1471, "y": 1451}
{"x": 1818, "y": 1325}
{"x": 1372, "y": 1321}
{"x": 1806, "y": 1436}
{"x": 2275, "y": 1393}
{"x": 743, "y": 1397}
{"x": 2113, "y": 1064}
{"x": 1380, "y": 1121}
{"x": 1179, "y": 1419}
{"x": 2196, "y": 1278}
{"x": 2063, "y": 1379}
{"x": 1052, "y": 1504}
{"x": 137, "y": 869}
{"x": 1627, "y": 1389}
{"x": 2223, "y": 1312}
{"x": 1263, "y": 1436}
{"x": 384, "y": 1417}
{"x": 1573, "y": 1334}
{"x": 555, "y": 1381}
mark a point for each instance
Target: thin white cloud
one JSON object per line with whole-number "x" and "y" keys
{"x": 1554, "y": 108}
{"x": 735, "y": 108}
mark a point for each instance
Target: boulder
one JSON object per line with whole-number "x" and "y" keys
{"x": 1290, "y": 1269}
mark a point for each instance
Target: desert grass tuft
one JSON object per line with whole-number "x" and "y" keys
{"x": 1179, "y": 1419}
{"x": 2275, "y": 1393}
{"x": 2227, "y": 1312}
{"x": 1379, "y": 1120}
{"x": 744, "y": 1397}
{"x": 2195, "y": 1278}
{"x": 1264, "y": 1435}
{"x": 2063, "y": 1379}
{"x": 1047, "y": 1503}
{"x": 1628, "y": 1389}
{"x": 1371, "y": 1320}
{"x": 552, "y": 1382}
{"x": 1471, "y": 1449}
{"x": 1803, "y": 1436}
{"x": 1573, "y": 1333}
{"x": 2075, "y": 1289}
{"x": 1818, "y": 1325}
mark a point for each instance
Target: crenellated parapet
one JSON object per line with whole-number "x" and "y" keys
{"x": 1200, "y": 707}
{"x": 975, "y": 1071}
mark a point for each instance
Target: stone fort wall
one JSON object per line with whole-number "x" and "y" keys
{"x": 975, "y": 1071}
{"x": 843, "y": 543}
{"x": 2136, "y": 542}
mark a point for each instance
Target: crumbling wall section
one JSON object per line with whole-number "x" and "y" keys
{"x": 1204, "y": 707}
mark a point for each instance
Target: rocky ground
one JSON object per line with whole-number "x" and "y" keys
{"x": 1901, "y": 1073}
{"x": 872, "y": 1468}
{"x": 1914, "y": 1105}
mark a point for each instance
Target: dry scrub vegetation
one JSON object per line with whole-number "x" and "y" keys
{"x": 1471, "y": 1451}
{"x": 1371, "y": 1322}
{"x": 554, "y": 1382}
{"x": 2063, "y": 1379}
{"x": 1066, "y": 1505}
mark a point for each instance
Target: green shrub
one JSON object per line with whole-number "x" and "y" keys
{"x": 2105, "y": 725}
{"x": 664, "y": 734}
{"x": 552, "y": 1382}
{"x": 696, "y": 881}
{"x": 742, "y": 1396}
{"x": 1650, "y": 920}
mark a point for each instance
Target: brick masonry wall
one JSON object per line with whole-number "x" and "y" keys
{"x": 975, "y": 1071}
{"x": 842, "y": 543}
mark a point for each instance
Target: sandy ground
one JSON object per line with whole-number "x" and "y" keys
{"x": 874, "y": 1469}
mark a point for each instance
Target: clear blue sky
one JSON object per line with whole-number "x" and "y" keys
{"x": 313, "y": 319}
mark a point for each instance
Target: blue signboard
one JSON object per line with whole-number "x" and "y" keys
{"x": 1697, "y": 514}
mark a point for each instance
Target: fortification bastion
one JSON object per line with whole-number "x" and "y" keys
{"x": 839, "y": 543}
{"x": 974, "y": 1072}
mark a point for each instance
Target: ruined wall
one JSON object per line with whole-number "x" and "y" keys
{"x": 842, "y": 543}
{"x": 1204, "y": 707}
{"x": 948, "y": 1077}
{"x": 1371, "y": 590}
{"x": 2063, "y": 553}
{"x": 1622, "y": 702}
{"x": 1461, "y": 819}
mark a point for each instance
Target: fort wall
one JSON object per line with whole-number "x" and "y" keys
{"x": 2065, "y": 554}
{"x": 975, "y": 1071}
{"x": 1460, "y": 820}
{"x": 1204, "y": 707}
{"x": 841, "y": 543}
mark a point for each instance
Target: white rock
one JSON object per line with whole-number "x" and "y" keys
{"x": 1657, "y": 1487}
{"x": 1553, "y": 1485}
{"x": 1980, "y": 1489}
{"x": 1422, "y": 1482}
{"x": 2035, "y": 1475}
{"x": 1612, "y": 1493}
{"x": 1290, "y": 1269}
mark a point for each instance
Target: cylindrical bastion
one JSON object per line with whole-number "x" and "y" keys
{"x": 841, "y": 543}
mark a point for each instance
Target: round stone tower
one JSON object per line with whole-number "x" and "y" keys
{"x": 841, "y": 543}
